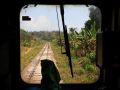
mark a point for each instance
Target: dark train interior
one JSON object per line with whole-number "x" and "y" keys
{"x": 107, "y": 52}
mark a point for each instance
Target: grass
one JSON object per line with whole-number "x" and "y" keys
{"x": 28, "y": 53}
{"x": 83, "y": 75}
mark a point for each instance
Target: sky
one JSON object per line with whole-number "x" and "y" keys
{"x": 44, "y": 17}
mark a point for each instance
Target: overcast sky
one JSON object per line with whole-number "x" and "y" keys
{"x": 44, "y": 17}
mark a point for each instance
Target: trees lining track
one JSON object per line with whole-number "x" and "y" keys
{"x": 32, "y": 73}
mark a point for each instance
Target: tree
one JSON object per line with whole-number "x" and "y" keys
{"x": 88, "y": 24}
{"x": 25, "y": 38}
{"x": 95, "y": 15}
{"x": 73, "y": 37}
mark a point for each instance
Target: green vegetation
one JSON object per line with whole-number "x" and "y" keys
{"x": 29, "y": 46}
{"x": 83, "y": 51}
{"x": 84, "y": 71}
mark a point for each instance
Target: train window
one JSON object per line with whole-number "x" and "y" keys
{"x": 42, "y": 37}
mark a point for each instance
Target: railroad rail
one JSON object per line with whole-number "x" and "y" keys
{"x": 32, "y": 73}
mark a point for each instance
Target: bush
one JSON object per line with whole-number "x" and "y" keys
{"x": 85, "y": 60}
{"x": 92, "y": 56}
{"x": 82, "y": 70}
{"x": 89, "y": 67}
{"x": 25, "y": 43}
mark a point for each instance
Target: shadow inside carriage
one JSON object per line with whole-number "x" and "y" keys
{"x": 50, "y": 76}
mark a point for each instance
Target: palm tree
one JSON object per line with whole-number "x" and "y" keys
{"x": 73, "y": 38}
{"x": 88, "y": 38}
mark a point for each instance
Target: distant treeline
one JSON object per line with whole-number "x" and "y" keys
{"x": 27, "y": 37}
{"x": 46, "y": 35}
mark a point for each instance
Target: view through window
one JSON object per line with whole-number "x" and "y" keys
{"x": 42, "y": 37}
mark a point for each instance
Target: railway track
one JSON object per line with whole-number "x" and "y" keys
{"x": 32, "y": 73}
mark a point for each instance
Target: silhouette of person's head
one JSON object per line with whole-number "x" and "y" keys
{"x": 50, "y": 75}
